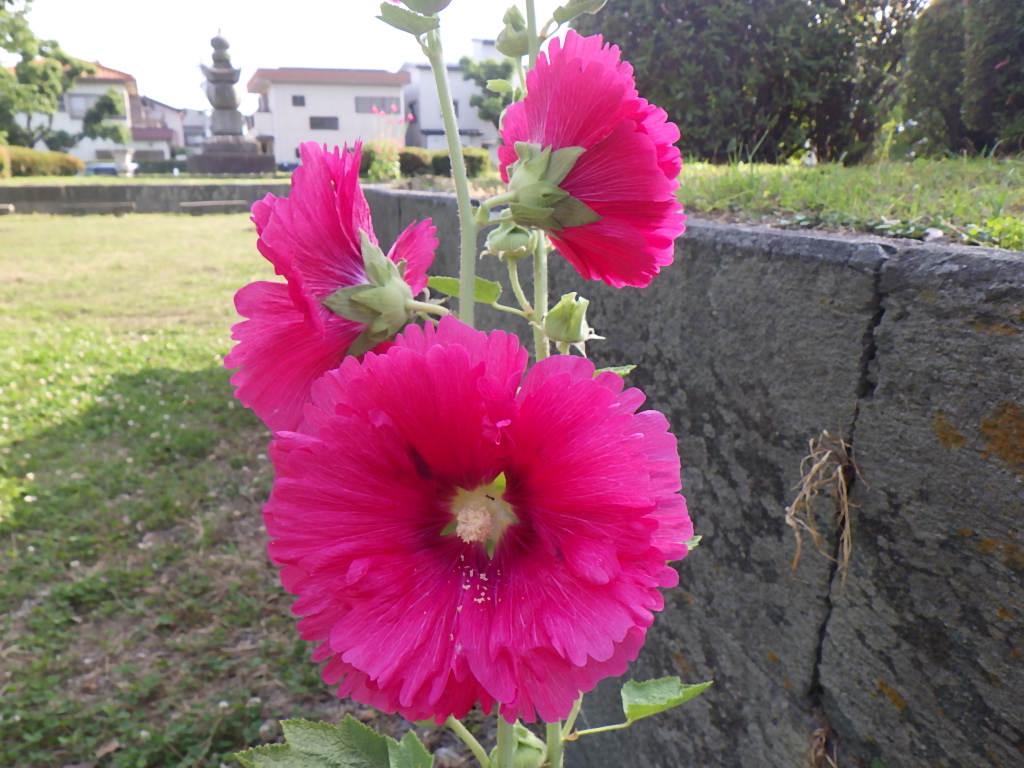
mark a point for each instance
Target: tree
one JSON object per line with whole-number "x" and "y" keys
{"x": 934, "y": 78}
{"x": 993, "y": 107}
{"x": 489, "y": 105}
{"x": 761, "y": 79}
{"x": 40, "y": 79}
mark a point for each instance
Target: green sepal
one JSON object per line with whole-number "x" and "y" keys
{"x": 342, "y": 303}
{"x": 575, "y": 8}
{"x": 484, "y": 291}
{"x": 539, "y": 201}
{"x": 618, "y": 370}
{"x": 692, "y": 543}
{"x": 640, "y": 700}
{"x": 529, "y": 216}
{"x": 499, "y": 86}
{"x": 570, "y": 212}
{"x": 510, "y": 241}
{"x": 528, "y": 752}
{"x": 407, "y": 21}
{"x": 561, "y": 162}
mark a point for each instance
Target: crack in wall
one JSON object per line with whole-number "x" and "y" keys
{"x": 865, "y": 391}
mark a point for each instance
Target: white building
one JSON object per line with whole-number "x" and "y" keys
{"x": 427, "y": 127}
{"x": 154, "y": 127}
{"x": 329, "y": 106}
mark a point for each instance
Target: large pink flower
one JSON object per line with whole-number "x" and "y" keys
{"x": 457, "y": 532}
{"x": 581, "y": 95}
{"x": 312, "y": 237}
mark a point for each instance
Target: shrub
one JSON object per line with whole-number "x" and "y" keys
{"x": 368, "y": 156}
{"x": 160, "y": 166}
{"x": 413, "y": 161}
{"x": 5, "y": 163}
{"x": 31, "y": 162}
{"x": 993, "y": 87}
{"x": 746, "y": 80}
{"x": 478, "y": 162}
{"x": 934, "y": 77}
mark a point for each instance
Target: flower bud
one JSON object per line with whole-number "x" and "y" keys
{"x": 566, "y": 322}
{"x": 528, "y": 752}
{"x": 514, "y": 39}
{"x": 510, "y": 241}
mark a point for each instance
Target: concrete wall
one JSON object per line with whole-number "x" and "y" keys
{"x": 752, "y": 343}
{"x": 149, "y": 198}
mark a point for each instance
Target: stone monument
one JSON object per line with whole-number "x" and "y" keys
{"x": 227, "y": 150}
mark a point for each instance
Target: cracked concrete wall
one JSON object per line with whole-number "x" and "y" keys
{"x": 752, "y": 343}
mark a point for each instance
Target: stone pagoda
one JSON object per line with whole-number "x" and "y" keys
{"x": 227, "y": 150}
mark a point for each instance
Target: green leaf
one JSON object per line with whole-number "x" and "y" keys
{"x": 575, "y": 8}
{"x": 349, "y": 745}
{"x": 641, "y": 700}
{"x": 275, "y": 756}
{"x": 409, "y": 752}
{"x": 484, "y": 291}
{"x": 499, "y": 86}
{"x": 449, "y": 286}
{"x": 406, "y": 20}
{"x": 618, "y": 370}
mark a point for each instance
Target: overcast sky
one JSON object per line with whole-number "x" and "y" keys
{"x": 162, "y": 44}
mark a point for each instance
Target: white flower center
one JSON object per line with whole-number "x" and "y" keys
{"x": 482, "y": 515}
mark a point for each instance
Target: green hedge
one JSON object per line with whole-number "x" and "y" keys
{"x": 5, "y": 162}
{"x": 412, "y": 161}
{"x": 993, "y": 87}
{"x": 31, "y": 162}
{"x": 161, "y": 166}
{"x": 478, "y": 162}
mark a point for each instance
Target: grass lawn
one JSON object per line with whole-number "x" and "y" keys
{"x": 979, "y": 201}
{"x": 141, "y": 622}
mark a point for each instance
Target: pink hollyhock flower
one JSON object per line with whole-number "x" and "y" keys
{"x": 457, "y": 532}
{"x": 581, "y": 95}
{"x": 312, "y": 237}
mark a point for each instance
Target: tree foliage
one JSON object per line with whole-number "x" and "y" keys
{"x": 933, "y": 78}
{"x": 488, "y": 105}
{"x": 993, "y": 60}
{"x": 39, "y": 81}
{"x": 761, "y": 79}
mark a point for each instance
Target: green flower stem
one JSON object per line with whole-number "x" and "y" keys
{"x": 602, "y": 729}
{"x": 424, "y": 306}
{"x": 467, "y": 222}
{"x": 512, "y": 310}
{"x": 571, "y": 720}
{"x": 506, "y": 744}
{"x": 521, "y": 74}
{"x": 470, "y": 741}
{"x": 540, "y": 296}
{"x": 531, "y": 31}
{"x": 556, "y": 748}
{"x": 517, "y": 289}
{"x": 483, "y": 212}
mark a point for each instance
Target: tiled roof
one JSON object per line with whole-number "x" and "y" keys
{"x": 263, "y": 77}
{"x": 106, "y": 73}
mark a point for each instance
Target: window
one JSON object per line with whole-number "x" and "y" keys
{"x": 365, "y": 104}
{"x": 264, "y": 104}
{"x": 298, "y": 101}
{"x": 78, "y": 104}
{"x": 323, "y": 123}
